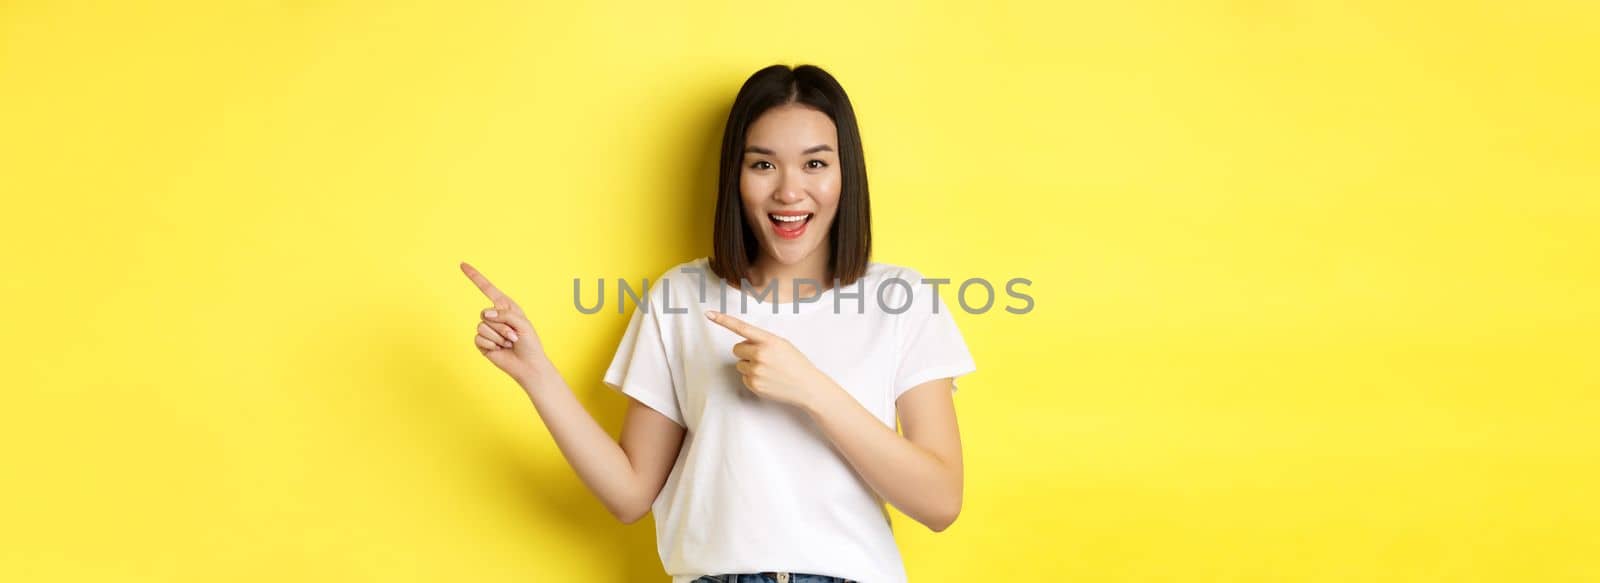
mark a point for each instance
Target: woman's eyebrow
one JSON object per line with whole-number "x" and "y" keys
{"x": 767, "y": 152}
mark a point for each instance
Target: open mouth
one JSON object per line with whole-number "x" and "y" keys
{"x": 789, "y": 225}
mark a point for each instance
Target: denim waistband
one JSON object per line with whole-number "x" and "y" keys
{"x": 772, "y": 577}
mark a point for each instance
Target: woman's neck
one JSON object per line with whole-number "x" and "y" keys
{"x": 811, "y": 271}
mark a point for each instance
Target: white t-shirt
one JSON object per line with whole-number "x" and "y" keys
{"x": 757, "y": 486}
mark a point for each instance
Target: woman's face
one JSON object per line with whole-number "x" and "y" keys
{"x": 790, "y": 181}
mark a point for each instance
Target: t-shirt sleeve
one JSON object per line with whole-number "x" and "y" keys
{"x": 640, "y": 368}
{"x": 931, "y": 346}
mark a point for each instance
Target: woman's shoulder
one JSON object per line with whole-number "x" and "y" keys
{"x": 881, "y": 271}
{"x": 904, "y": 286}
{"x": 684, "y": 270}
{"x": 689, "y": 268}
{"x": 692, "y": 273}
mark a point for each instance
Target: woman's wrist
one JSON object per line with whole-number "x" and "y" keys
{"x": 540, "y": 373}
{"x": 823, "y": 399}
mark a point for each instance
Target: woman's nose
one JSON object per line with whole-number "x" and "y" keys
{"x": 790, "y": 190}
{"x": 789, "y": 195}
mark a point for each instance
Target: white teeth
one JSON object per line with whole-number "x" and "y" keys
{"x": 793, "y": 219}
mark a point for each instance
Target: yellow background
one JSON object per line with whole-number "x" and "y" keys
{"x": 1316, "y": 282}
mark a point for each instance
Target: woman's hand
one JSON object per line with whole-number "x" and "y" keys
{"x": 772, "y": 367}
{"x": 504, "y": 335}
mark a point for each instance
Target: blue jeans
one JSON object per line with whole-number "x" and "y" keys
{"x": 772, "y": 577}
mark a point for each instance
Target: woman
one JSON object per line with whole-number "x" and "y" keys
{"x": 765, "y": 443}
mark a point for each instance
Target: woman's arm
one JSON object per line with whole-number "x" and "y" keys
{"x": 626, "y": 476}
{"x": 920, "y": 473}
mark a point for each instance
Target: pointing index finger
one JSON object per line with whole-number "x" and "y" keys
{"x": 488, "y": 289}
{"x": 738, "y": 326}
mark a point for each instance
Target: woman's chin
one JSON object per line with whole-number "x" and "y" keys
{"x": 790, "y": 252}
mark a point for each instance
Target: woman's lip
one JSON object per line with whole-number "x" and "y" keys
{"x": 783, "y": 230}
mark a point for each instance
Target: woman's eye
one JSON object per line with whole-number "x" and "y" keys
{"x": 761, "y": 165}
{"x": 819, "y": 164}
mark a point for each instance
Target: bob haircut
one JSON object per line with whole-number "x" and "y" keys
{"x": 734, "y": 243}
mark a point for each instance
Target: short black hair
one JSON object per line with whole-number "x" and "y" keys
{"x": 734, "y": 244}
